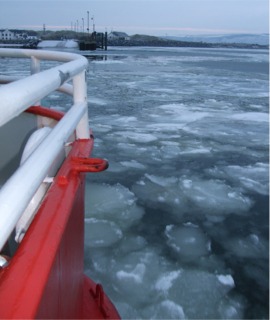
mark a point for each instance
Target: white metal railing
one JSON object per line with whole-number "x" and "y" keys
{"x": 15, "y": 98}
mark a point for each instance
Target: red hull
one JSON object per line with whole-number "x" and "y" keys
{"x": 45, "y": 277}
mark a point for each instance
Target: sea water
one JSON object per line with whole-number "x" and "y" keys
{"x": 178, "y": 226}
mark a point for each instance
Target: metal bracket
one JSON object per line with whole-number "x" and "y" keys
{"x": 89, "y": 164}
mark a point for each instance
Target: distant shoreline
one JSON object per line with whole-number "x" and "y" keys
{"x": 183, "y": 44}
{"x": 140, "y": 41}
{"x": 237, "y": 41}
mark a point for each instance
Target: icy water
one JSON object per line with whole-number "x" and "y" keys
{"x": 178, "y": 226}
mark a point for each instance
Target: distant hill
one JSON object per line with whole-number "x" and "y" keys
{"x": 196, "y": 42}
{"x": 260, "y": 39}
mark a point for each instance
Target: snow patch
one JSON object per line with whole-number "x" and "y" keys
{"x": 58, "y": 44}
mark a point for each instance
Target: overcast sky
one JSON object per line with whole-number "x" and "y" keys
{"x": 153, "y": 17}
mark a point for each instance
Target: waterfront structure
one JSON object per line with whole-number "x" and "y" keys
{"x": 115, "y": 35}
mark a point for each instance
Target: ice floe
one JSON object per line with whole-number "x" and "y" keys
{"x": 101, "y": 233}
{"x": 114, "y": 203}
{"x": 188, "y": 242}
{"x": 132, "y": 164}
{"x": 251, "y": 246}
{"x": 134, "y": 274}
{"x": 97, "y": 101}
{"x": 137, "y": 137}
{"x": 204, "y": 288}
{"x": 215, "y": 196}
{"x": 251, "y": 116}
{"x": 251, "y": 178}
{"x": 166, "y": 309}
{"x": 211, "y": 198}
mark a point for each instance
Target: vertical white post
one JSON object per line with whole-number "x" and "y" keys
{"x": 35, "y": 68}
{"x": 35, "y": 65}
{"x": 80, "y": 96}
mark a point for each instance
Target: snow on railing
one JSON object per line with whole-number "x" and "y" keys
{"x": 15, "y": 98}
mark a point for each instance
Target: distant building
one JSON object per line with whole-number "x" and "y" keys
{"x": 115, "y": 35}
{"x": 15, "y": 35}
{"x": 7, "y": 35}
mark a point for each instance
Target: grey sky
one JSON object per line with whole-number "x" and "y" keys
{"x": 155, "y": 17}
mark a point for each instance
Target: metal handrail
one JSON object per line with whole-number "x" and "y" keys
{"x": 15, "y": 98}
{"x": 65, "y": 88}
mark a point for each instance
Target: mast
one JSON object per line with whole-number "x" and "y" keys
{"x": 88, "y": 23}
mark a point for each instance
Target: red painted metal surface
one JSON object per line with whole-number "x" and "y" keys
{"x": 45, "y": 112}
{"x": 45, "y": 277}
